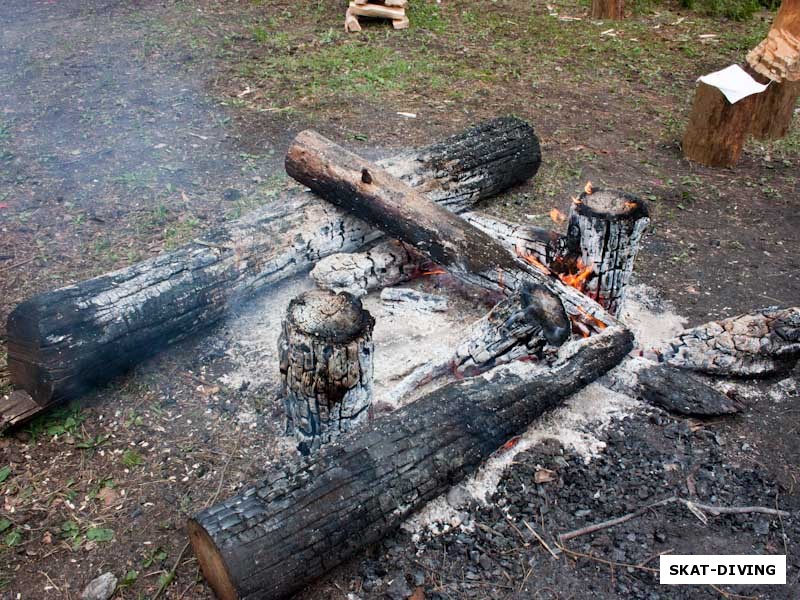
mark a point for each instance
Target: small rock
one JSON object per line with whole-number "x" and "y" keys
{"x": 398, "y": 589}
{"x": 101, "y": 588}
{"x": 761, "y": 527}
{"x": 231, "y": 194}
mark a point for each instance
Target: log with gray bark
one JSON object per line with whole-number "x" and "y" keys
{"x": 369, "y": 192}
{"x": 64, "y": 342}
{"x": 751, "y": 345}
{"x": 326, "y": 365}
{"x": 301, "y": 521}
{"x": 604, "y": 233}
{"x": 391, "y": 262}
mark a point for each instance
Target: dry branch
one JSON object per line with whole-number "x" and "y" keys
{"x": 62, "y": 343}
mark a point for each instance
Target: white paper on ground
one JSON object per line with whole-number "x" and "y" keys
{"x": 734, "y": 82}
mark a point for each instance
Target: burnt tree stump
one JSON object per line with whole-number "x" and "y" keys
{"x": 326, "y": 364}
{"x": 604, "y": 232}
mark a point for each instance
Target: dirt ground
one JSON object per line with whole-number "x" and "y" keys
{"x": 128, "y": 125}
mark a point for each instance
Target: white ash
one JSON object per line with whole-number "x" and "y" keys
{"x": 651, "y": 318}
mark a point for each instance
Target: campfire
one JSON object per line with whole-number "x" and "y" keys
{"x": 553, "y": 327}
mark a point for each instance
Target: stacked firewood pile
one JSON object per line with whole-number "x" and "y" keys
{"x": 381, "y": 9}
{"x": 554, "y": 327}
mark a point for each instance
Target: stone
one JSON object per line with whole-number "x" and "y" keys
{"x": 100, "y": 588}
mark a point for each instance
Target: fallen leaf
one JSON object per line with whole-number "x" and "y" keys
{"x": 419, "y": 594}
{"x": 544, "y": 476}
{"x": 108, "y": 496}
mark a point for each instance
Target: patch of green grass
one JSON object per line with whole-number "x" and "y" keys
{"x": 131, "y": 458}
{"x": 57, "y": 422}
{"x": 426, "y": 14}
{"x": 180, "y": 232}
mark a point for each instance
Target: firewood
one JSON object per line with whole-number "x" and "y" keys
{"x": 750, "y": 345}
{"x": 604, "y": 232}
{"x": 62, "y": 343}
{"x": 517, "y": 328}
{"x": 326, "y": 365}
{"x": 304, "y": 519}
{"x": 675, "y": 390}
{"x": 395, "y": 297}
{"x": 390, "y": 262}
{"x": 351, "y": 24}
{"x": 608, "y": 9}
{"x": 377, "y": 10}
{"x": 463, "y": 250}
{"x": 402, "y": 23}
{"x": 717, "y": 129}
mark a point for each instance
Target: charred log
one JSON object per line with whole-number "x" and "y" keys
{"x": 63, "y": 342}
{"x": 396, "y": 297}
{"x": 750, "y": 345}
{"x": 326, "y": 364}
{"x": 300, "y": 521}
{"x": 457, "y": 246}
{"x": 389, "y": 263}
{"x": 605, "y": 230}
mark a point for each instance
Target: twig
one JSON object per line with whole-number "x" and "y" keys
{"x": 541, "y": 540}
{"x": 696, "y": 508}
{"x": 171, "y": 574}
{"x": 18, "y": 264}
{"x": 605, "y": 561}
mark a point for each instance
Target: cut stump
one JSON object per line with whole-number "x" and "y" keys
{"x": 326, "y": 364}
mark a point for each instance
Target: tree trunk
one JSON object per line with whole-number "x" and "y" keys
{"x": 604, "y": 232}
{"x": 301, "y": 521}
{"x": 608, "y": 9}
{"x": 372, "y": 194}
{"x": 774, "y": 110}
{"x": 717, "y": 129}
{"x": 326, "y": 364}
{"x": 777, "y": 57}
{"x": 62, "y": 343}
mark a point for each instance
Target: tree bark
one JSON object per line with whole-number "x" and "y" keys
{"x": 326, "y": 365}
{"x": 717, "y": 129}
{"x": 608, "y": 9}
{"x": 299, "y": 522}
{"x": 605, "y": 230}
{"x": 774, "y": 110}
{"x": 62, "y": 343}
{"x": 374, "y": 195}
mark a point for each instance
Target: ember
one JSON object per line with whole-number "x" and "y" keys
{"x": 558, "y": 217}
{"x": 578, "y": 279}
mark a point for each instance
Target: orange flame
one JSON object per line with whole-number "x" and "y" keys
{"x": 577, "y": 280}
{"x": 557, "y": 216}
{"x": 533, "y": 261}
{"x": 588, "y": 187}
{"x": 576, "y": 200}
{"x": 630, "y": 205}
{"x": 436, "y": 271}
{"x": 592, "y": 319}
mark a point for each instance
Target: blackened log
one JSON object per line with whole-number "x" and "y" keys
{"x": 751, "y": 345}
{"x": 62, "y": 343}
{"x": 677, "y": 391}
{"x": 522, "y": 326}
{"x": 299, "y": 522}
{"x": 403, "y": 213}
{"x": 604, "y": 231}
{"x": 395, "y": 297}
{"x": 391, "y": 262}
{"x": 326, "y": 365}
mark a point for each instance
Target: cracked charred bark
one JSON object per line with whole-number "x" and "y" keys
{"x": 61, "y": 343}
{"x": 326, "y": 364}
{"x": 300, "y": 521}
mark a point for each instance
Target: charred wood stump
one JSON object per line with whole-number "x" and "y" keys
{"x": 301, "y": 521}
{"x": 751, "y": 345}
{"x": 603, "y": 237}
{"x": 326, "y": 364}
{"x": 61, "y": 343}
{"x": 717, "y": 129}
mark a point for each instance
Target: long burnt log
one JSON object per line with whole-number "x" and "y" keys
{"x": 750, "y": 345}
{"x": 63, "y": 342}
{"x": 374, "y": 195}
{"x": 299, "y": 522}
